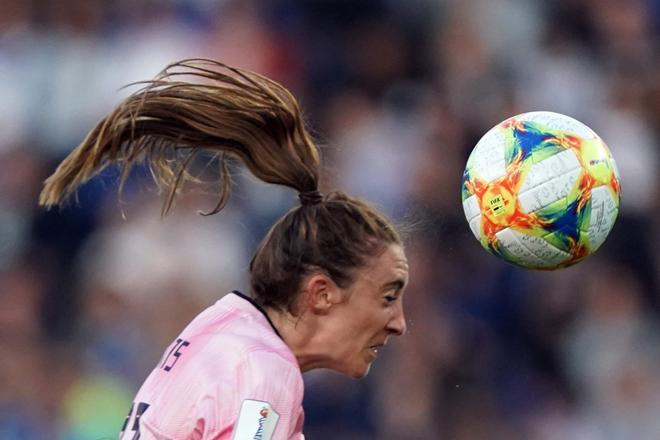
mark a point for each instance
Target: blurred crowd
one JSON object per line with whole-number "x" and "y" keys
{"x": 397, "y": 92}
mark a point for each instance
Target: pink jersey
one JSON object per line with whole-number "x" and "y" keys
{"x": 227, "y": 376}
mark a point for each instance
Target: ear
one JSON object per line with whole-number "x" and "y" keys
{"x": 320, "y": 293}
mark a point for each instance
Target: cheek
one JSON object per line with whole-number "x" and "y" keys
{"x": 360, "y": 324}
{"x": 366, "y": 329}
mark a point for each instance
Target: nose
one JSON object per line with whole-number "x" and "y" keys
{"x": 397, "y": 325}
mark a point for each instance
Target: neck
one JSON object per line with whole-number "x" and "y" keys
{"x": 301, "y": 335}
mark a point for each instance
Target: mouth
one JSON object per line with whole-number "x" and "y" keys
{"x": 374, "y": 348}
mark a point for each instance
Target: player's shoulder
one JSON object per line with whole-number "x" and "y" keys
{"x": 253, "y": 349}
{"x": 239, "y": 342}
{"x": 246, "y": 327}
{"x": 233, "y": 333}
{"x": 265, "y": 357}
{"x": 232, "y": 317}
{"x": 271, "y": 359}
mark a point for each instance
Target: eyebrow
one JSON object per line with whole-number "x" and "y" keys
{"x": 398, "y": 284}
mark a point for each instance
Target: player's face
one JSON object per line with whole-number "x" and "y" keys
{"x": 371, "y": 313}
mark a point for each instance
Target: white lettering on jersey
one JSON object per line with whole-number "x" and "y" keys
{"x": 256, "y": 421}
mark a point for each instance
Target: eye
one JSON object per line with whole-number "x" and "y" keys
{"x": 390, "y": 298}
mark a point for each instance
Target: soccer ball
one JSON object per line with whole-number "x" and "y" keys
{"x": 541, "y": 191}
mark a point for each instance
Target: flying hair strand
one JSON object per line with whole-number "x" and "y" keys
{"x": 196, "y": 107}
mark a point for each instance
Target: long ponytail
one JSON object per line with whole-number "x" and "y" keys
{"x": 227, "y": 112}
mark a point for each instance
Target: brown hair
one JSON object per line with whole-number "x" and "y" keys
{"x": 233, "y": 113}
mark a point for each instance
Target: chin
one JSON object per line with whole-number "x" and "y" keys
{"x": 359, "y": 373}
{"x": 355, "y": 368}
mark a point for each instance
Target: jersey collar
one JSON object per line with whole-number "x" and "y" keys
{"x": 258, "y": 307}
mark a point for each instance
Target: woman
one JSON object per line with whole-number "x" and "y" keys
{"x": 326, "y": 281}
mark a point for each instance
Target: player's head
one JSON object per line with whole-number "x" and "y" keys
{"x": 339, "y": 264}
{"x": 352, "y": 323}
{"x": 333, "y": 239}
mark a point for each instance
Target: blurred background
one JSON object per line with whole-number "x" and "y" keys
{"x": 397, "y": 92}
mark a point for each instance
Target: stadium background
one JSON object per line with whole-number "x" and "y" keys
{"x": 397, "y": 92}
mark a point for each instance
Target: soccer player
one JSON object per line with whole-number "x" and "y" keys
{"x": 326, "y": 281}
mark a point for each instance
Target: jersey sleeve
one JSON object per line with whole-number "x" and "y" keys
{"x": 268, "y": 399}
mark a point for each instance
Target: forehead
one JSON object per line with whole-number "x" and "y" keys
{"x": 387, "y": 266}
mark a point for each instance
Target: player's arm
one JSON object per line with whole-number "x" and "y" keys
{"x": 268, "y": 399}
{"x": 270, "y": 393}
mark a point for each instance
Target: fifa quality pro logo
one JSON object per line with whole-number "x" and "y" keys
{"x": 262, "y": 421}
{"x": 256, "y": 421}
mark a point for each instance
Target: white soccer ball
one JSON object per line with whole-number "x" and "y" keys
{"x": 541, "y": 190}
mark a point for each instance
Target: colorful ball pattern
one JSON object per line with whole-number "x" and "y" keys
{"x": 541, "y": 191}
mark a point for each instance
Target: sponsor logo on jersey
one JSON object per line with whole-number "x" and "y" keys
{"x": 256, "y": 421}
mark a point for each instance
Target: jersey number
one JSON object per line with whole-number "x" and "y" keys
{"x": 173, "y": 355}
{"x": 135, "y": 428}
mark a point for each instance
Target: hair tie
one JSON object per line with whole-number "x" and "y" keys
{"x": 310, "y": 197}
